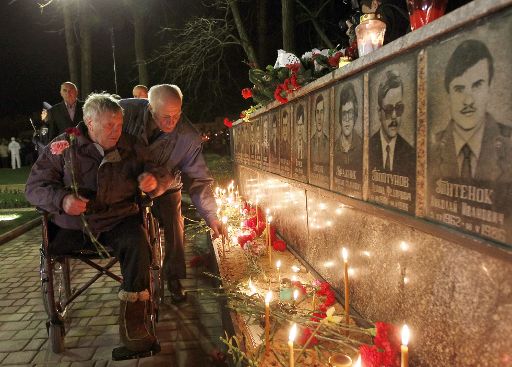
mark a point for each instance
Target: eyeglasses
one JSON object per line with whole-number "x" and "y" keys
{"x": 397, "y": 108}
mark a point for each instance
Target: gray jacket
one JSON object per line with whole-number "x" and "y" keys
{"x": 179, "y": 151}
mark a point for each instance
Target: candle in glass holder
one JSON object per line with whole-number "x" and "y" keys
{"x": 404, "y": 347}
{"x": 295, "y": 295}
{"x": 268, "y": 298}
{"x": 291, "y": 338}
{"x": 347, "y": 304}
{"x": 370, "y": 33}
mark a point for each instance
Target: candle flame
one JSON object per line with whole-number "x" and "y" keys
{"x": 269, "y": 219}
{"x": 268, "y": 297}
{"x": 294, "y": 278}
{"x": 278, "y": 264}
{"x": 267, "y": 211}
{"x": 404, "y": 246}
{"x": 295, "y": 268}
{"x": 293, "y": 333}
{"x": 224, "y": 219}
{"x": 344, "y": 253}
{"x": 405, "y": 335}
{"x": 358, "y": 361}
{"x": 295, "y": 294}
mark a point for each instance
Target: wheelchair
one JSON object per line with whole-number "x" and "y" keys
{"x": 55, "y": 273}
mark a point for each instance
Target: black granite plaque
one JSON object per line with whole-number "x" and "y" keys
{"x": 319, "y": 141}
{"x": 347, "y": 167}
{"x": 257, "y": 142}
{"x": 300, "y": 141}
{"x": 274, "y": 141}
{"x": 264, "y": 142}
{"x": 392, "y": 145}
{"x": 252, "y": 142}
{"x": 285, "y": 148}
{"x": 469, "y": 167}
{"x": 245, "y": 144}
{"x": 235, "y": 135}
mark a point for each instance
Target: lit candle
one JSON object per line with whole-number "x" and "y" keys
{"x": 278, "y": 266}
{"x": 291, "y": 338}
{"x": 269, "y": 241}
{"x": 295, "y": 295}
{"x": 404, "y": 347}
{"x": 295, "y": 268}
{"x": 268, "y": 298}
{"x": 347, "y": 305}
{"x": 223, "y": 228}
{"x": 358, "y": 362}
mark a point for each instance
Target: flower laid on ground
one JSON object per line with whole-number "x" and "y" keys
{"x": 307, "y": 335}
{"x": 279, "y": 245}
{"x": 330, "y": 318}
{"x": 386, "y": 349}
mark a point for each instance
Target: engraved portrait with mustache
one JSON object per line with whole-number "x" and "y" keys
{"x": 473, "y": 147}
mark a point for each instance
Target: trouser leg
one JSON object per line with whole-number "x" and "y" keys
{"x": 18, "y": 160}
{"x": 13, "y": 161}
{"x": 130, "y": 242}
{"x": 168, "y": 211}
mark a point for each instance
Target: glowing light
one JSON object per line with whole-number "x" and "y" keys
{"x": 344, "y": 253}
{"x": 224, "y": 219}
{"x": 358, "y": 362}
{"x": 294, "y": 278}
{"x": 278, "y": 264}
{"x": 8, "y": 217}
{"x": 329, "y": 264}
{"x": 404, "y": 246}
{"x": 268, "y": 297}
{"x": 405, "y": 335}
{"x": 293, "y": 333}
{"x": 366, "y": 253}
{"x": 295, "y": 294}
{"x": 295, "y": 268}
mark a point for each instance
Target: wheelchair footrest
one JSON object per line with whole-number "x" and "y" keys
{"x": 122, "y": 353}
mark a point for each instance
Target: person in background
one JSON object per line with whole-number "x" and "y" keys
{"x": 14, "y": 148}
{"x": 4, "y": 154}
{"x": 67, "y": 113}
{"x": 140, "y": 91}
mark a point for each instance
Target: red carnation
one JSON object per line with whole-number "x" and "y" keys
{"x": 72, "y": 131}
{"x": 370, "y": 356}
{"x": 247, "y": 93}
{"x": 294, "y": 67}
{"x": 197, "y": 261}
{"x": 277, "y": 94}
{"x": 228, "y": 122}
{"x": 279, "y": 245}
{"x": 304, "y": 337}
{"x": 334, "y": 60}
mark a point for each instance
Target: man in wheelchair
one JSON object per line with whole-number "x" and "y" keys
{"x": 89, "y": 179}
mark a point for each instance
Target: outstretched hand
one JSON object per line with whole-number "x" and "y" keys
{"x": 216, "y": 227}
{"x": 147, "y": 182}
{"x": 73, "y": 205}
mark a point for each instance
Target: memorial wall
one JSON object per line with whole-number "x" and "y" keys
{"x": 404, "y": 156}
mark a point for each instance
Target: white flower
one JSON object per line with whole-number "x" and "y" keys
{"x": 330, "y": 317}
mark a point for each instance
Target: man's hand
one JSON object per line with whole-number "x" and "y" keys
{"x": 74, "y": 205}
{"x": 216, "y": 227}
{"x": 147, "y": 182}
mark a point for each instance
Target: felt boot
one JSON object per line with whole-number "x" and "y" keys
{"x": 133, "y": 321}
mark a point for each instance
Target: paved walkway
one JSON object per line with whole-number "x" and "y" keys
{"x": 188, "y": 333}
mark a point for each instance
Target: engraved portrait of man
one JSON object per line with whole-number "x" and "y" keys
{"x": 320, "y": 138}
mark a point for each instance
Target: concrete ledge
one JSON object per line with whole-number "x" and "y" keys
{"x": 18, "y": 231}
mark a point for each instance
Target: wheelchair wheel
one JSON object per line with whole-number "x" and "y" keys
{"x": 56, "y": 336}
{"x": 60, "y": 278}
{"x": 157, "y": 257}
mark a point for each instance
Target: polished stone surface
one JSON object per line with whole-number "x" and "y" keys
{"x": 456, "y": 301}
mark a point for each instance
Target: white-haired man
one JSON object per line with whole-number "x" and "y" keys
{"x": 110, "y": 169}
{"x": 176, "y": 144}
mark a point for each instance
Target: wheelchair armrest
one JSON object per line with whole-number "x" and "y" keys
{"x": 145, "y": 201}
{"x": 41, "y": 211}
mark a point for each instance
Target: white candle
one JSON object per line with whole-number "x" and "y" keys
{"x": 404, "y": 347}
{"x": 358, "y": 361}
{"x": 291, "y": 338}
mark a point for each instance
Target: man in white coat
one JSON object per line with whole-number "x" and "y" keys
{"x": 14, "y": 147}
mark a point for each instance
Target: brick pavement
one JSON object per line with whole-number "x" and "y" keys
{"x": 187, "y": 333}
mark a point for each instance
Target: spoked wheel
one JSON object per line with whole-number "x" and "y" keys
{"x": 157, "y": 259}
{"x": 56, "y": 290}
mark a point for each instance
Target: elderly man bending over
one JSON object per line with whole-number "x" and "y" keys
{"x": 109, "y": 169}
